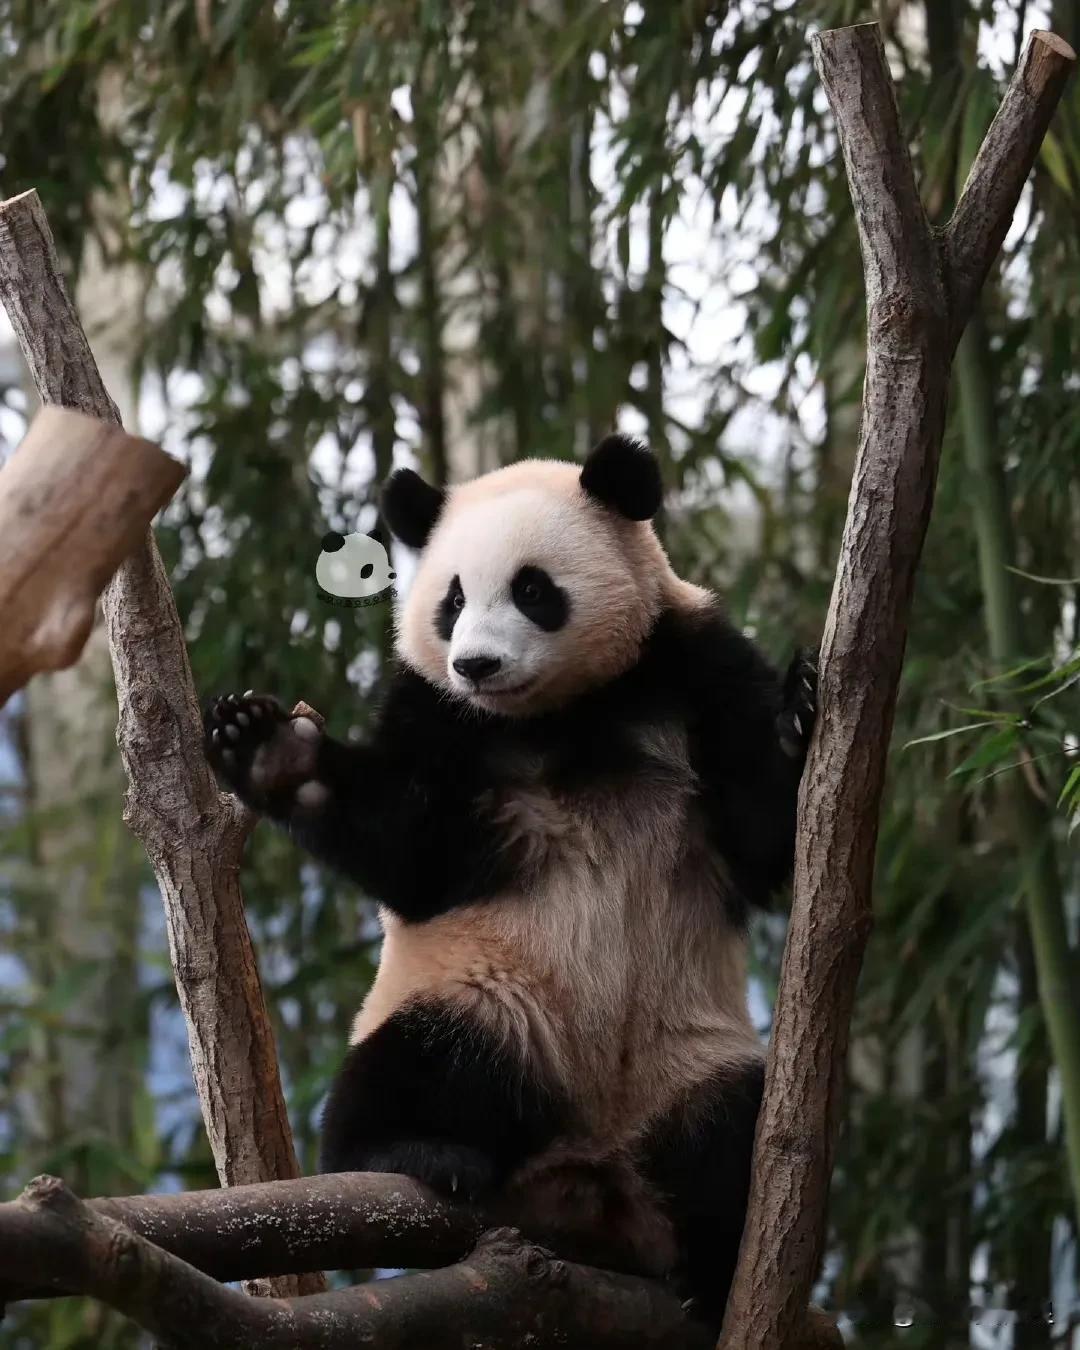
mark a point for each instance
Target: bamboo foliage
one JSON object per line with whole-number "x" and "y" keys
{"x": 240, "y": 141}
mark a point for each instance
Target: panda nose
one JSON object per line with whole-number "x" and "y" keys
{"x": 477, "y": 668}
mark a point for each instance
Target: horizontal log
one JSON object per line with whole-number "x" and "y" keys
{"x": 505, "y": 1292}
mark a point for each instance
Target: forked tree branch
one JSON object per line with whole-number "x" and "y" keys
{"x": 345, "y": 1222}
{"x": 193, "y": 834}
{"x": 920, "y": 289}
{"x": 987, "y": 204}
{"x": 507, "y": 1292}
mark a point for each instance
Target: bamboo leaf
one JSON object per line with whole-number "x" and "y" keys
{"x": 944, "y": 735}
{"x": 1071, "y": 790}
{"x": 1045, "y": 581}
{"x": 991, "y": 752}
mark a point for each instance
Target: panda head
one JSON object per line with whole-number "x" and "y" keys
{"x": 535, "y": 582}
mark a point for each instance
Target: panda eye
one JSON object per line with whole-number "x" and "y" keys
{"x": 458, "y": 601}
{"x": 539, "y": 599}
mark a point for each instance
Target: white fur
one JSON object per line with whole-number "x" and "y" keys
{"x": 613, "y": 963}
{"x": 615, "y": 967}
{"x": 614, "y": 572}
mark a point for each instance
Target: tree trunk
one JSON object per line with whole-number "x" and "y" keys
{"x": 921, "y": 287}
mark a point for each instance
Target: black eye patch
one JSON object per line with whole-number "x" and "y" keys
{"x": 450, "y": 606}
{"x": 539, "y": 599}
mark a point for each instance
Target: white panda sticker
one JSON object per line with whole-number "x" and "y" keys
{"x": 353, "y": 570}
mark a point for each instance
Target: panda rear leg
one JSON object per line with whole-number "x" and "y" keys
{"x": 438, "y": 1097}
{"x": 454, "y": 1170}
{"x": 699, "y": 1158}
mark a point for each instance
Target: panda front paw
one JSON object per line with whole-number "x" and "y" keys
{"x": 795, "y": 722}
{"x": 258, "y": 751}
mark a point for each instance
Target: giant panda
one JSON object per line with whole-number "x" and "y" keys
{"x": 582, "y": 778}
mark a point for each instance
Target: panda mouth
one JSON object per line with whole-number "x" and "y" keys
{"x": 504, "y": 691}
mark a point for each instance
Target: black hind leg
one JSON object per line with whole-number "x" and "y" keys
{"x": 699, "y": 1157}
{"x": 435, "y": 1096}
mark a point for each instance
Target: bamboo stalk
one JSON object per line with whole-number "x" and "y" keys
{"x": 1055, "y": 964}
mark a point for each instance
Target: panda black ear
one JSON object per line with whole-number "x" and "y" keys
{"x": 623, "y": 474}
{"x": 410, "y": 507}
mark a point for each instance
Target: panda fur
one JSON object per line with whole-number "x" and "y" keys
{"x": 558, "y": 1027}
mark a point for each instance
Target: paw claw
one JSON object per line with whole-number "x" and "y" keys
{"x": 249, "y": 693}
{"x": 215, "y": 736}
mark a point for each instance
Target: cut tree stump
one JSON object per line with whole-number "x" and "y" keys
{"x": 76, "y": 498}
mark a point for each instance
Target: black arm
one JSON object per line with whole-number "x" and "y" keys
{"x": 750, "y": 731}
{"x": 401, "y": 816}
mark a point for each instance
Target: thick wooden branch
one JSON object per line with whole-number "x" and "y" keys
{"x": 985, "y": 210}
{"x": 350, "y": 1221}
{"x": 193, "y": 834}
{"x": 76, "y": 498}
{"x": 919, "y": 291}
{"x": 346, "y": 1222}
{"x": 506, "y": 1293}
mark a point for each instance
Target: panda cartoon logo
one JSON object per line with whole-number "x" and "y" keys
{"x": 353, "y": 570}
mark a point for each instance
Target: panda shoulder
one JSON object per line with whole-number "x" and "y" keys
{"x": 704, "y": 654}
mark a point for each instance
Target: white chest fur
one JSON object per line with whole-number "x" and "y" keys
{"x": 614, "y": 962}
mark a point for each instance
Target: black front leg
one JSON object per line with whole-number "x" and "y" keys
{"x": 798, "y": 711}
{"x": 751, "y": 747}
{"x": 405, "y": 826}
{"x": 263, "y": 755}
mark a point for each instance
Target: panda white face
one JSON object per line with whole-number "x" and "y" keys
{"x": 501, "y": 634}
{"x": 503, "y": 602}
{"x": 529, "y": 591}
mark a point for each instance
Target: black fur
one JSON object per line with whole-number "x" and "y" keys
{"x": 432, "y": 762}
{"x": 699, "y": 1159}
{"x": 539, "y": 599}
{"x": 407, "y": 817}
{"x": 410, "y": 507}
{"x": 624, "y": 474}
{"x": 450, "y": 606}
{"x": 439, "y": 1099}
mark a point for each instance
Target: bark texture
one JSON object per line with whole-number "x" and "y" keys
{"x": 507, "y": 1292}
{"x": 920, "y": 289}
{"x": 76, "y": 498}
{"x": 193, "y": 834}
{"x": 350, "y": 1221}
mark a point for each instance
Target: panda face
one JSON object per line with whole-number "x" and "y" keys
{"x": 501, "y": 640}
{"x": 529, "y": 592}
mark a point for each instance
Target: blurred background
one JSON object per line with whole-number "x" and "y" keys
{"x": 314, "y": 240}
